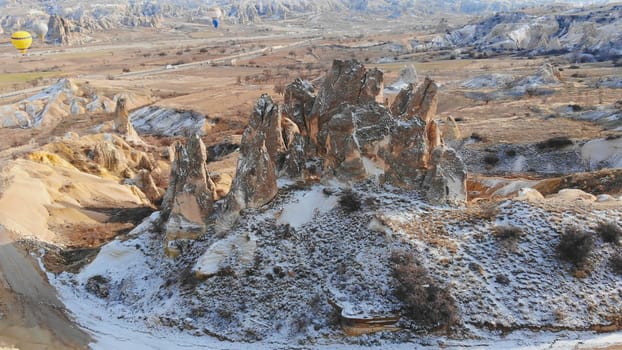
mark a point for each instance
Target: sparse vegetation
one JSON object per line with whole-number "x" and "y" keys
{"x": 491, "y": 159}
{"x": 508, "y": 232}
{"x": 575, "y": 245}
{"x": 555, "y": 143}
{"x": 425, "y": 302}
{"x": 350, "y": 201}
{"x": 502, "y": 279}
{"x": 98, "y": 285}
{"x": 616, "y": 263}
{"x": 478, "y": 138}
{"x": 610, "y": 232}
{"x": 488, "y": 210}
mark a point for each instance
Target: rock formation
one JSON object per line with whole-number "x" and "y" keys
{"x": 445, "y": 181}
{"x": 348, "y": 82}
{"x": 59, "y": 30}
{"x": 122, "y": 122}
{"x": 347, "y": 135}
{"x": 354, "y": 139}
{"x": 144, "y": 180}
{"x": 298, "y": 104}
{"x": 189, "y": 199}
{"x": 451, "y": 131}
{"x": 408, "y": 75}
{"x": 255, "y": 181}
{"x": 110, "y": 157}
{"x": 420, "y": 103}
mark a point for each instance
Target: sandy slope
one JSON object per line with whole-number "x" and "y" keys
{"x": 31, "y": 315}
{"x": 33, "y": 198}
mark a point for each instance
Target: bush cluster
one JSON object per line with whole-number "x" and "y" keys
{"x": 511, "y": 233}
{"x": 610, "y": 232}
{"x": 616, "y": 263}
{"x": 425, "y": 302}
{"x": 491, "y": 159}
{"x": 575, "y": 245}
{"x": 350, "y": 201}
{"x": 555, "y": 143}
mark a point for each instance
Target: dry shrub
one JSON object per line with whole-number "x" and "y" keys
{"x": 491, "y": 159}
{"x": 616, "y": 263}
{"x": 425, "y": 302}
{"x": 350, "y": 201}
{"x": 610, "y": 232}
{"x": 489, "y": 210}
{"x": 575, "y": 245}
{"x": 511, "y": 233}
{"x": 478, "y": 138}
{"x": 555, "y": 143}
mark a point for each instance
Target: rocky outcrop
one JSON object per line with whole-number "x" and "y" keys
{"x": 451, "y": 131}
{"x": 59, "y": 31}
{"x": 162, "y": 121}
{"x": 348, "y": 82}
{"x": 408, "y": 75}
{"x": 415, "y": 136}
{"x": 107, "y": 155}
{"x": 122, "y": 122}
{"x": 144, "y": 180}
{"x": 445, "y": 181}
{"x": 189, "y": 199}
{"x": 587, "y": 36}
{"x": 289, "y": 130}
{"x": 255, "y": 180}
{"x": 420, "y": 103}
{"x": 347, "y": 135}
{"x": 357, "y": 137}
{"x": 354, "y": 140}
{"x": 298, "y": 104}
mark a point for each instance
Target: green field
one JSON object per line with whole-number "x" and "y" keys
{"x": 11, "y": 78}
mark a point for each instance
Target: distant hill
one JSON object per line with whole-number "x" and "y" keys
{"x": 589, "y": 34}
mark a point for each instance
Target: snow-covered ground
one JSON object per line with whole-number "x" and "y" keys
{"x": 278, "y": 299}
{"x": 160, "y": 121}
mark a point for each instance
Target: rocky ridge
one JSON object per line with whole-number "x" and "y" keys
{"x": 346, "y": 136}
{"x": 585, "y": 35}
{"x": 347, "y": 133}
{"x": 57, "y": 103}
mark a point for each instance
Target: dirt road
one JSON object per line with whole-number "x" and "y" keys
{"x": 31, "y": 315}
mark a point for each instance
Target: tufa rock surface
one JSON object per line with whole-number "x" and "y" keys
{"x": 255, "y": 180}
{"x": 354, "y": 140}
{"x": 122, "y": 122}
{"x": 189, "y": 199}
{"x": 59, "y": 31}
{"x": 445, "y": 181}
{"x": 347, "y": 135}
{"x": 298, "y": 103}
{"x": 348, "y": 82}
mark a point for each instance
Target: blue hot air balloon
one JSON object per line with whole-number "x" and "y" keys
{"x": 215, "y": 22}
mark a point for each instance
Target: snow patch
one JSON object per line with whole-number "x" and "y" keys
{"x": 305, "y": 206}
{"x": 597, "y": 152}
{"x": 241, "y": 247}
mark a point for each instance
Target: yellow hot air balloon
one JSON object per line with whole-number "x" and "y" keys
{"x": 21, "y": 40}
